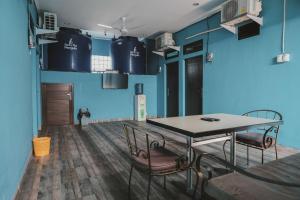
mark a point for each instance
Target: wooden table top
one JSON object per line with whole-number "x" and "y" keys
{"x": 239, "y": 187}
{"x": 193, "y": 126}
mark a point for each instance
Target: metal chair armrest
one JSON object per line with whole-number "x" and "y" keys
{"x": 267, "y": 132}
{"x": 208, "y": 167}
{"x": 184, "y": 157}
{"x": 160, "y": 135}
{"x": 143, "y": 152}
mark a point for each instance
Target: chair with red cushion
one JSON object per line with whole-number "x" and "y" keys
{"x": 149, "y": 155}
{"x": 260, "y": 138}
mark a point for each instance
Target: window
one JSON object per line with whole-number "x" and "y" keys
{"x": 101, "y": 63}
{"x": 193, "y": 47}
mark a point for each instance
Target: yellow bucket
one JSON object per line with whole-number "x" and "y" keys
{"x": 41, "y": 146}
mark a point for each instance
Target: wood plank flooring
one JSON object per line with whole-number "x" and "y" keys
{"x": 93, "y": 163}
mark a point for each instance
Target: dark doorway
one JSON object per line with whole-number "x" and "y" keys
{"x": 193, "y": 85}
{"x": 57, "y": 106}
{"x": 172, "y": 89}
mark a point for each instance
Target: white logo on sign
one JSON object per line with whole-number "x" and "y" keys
{"x": 134, "y": 53}
{"x": 71, "y": 45}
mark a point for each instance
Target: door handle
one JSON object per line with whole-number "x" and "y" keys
{"x": 168, "y": 92}
{"x": 70, "y": 96}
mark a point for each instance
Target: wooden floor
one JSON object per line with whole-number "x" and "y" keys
{"x": 93, "y": 163}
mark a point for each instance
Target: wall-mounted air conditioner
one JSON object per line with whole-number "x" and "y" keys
{"x": 236, "y": 8}
{"x": 164, "y": 40}
{"x": 50, "y": 21}
{"x": 49, "y": 29}
{"x": 234, "y": 12}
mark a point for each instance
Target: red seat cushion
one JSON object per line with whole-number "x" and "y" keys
{"x": 255, "y": 139}
{"x": 162, "y": 160}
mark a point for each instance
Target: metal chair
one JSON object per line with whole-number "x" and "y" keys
{"x": 259, "y": 138}
{"x": 207, "y": 171}
{"x": 151, "y": 157}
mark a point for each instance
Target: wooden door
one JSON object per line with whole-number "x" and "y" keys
{"x": 57, "y": 106}
{"x": 193, "y": 85}
{"x": 172, "y": 90}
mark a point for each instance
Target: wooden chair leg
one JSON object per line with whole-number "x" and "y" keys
{"x": 149, "y": 186}
{"x": 129, "y": 184}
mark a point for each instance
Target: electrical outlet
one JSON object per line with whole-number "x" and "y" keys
{"x": 209, "y": 57}
{"x": 286, "y": 57}
{"x": 282, "y": 58}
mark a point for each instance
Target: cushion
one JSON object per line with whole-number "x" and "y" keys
{"x": 255, "y": 139}
{"x": 162, "y": 160}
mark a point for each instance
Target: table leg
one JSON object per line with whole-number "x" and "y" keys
{"x": 233, "y": 149}
{"x": 189, "y": 156}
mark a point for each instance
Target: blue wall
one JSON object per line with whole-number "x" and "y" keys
{"x": 105, "y": 104}
{"x": 35, "y": 78}
{"x": 243, "y": 75}
{"x": 16, "y": 64}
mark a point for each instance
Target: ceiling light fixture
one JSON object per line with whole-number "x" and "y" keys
{"x": 196, "y": 4}
{"x": 104, "y": 26}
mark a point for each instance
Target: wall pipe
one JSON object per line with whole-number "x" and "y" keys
{"x": 204, "y": 32}
{"x": 283, "y": 27}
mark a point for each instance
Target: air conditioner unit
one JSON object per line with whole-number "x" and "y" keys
{"x": 50, "y": 21}
{"x": 233, "y": 9}
{"x": 164, "y": 40}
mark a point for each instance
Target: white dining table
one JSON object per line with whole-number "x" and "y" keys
{"x": 225, "y": 126}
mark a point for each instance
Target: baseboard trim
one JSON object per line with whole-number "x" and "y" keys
{"x": 116, "y": 119}
{"x": 29, "y": 157}
{"x": 108, "y": 120}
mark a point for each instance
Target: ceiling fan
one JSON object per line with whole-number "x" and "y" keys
{"x": 123, "y": 29}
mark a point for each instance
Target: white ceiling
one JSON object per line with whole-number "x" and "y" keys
{"x": 144, "y": 17}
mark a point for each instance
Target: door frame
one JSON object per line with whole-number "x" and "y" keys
{"x": 185, "y": 80}
{"x": 43, "y": 101}
{"x": 166, "y": 88}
